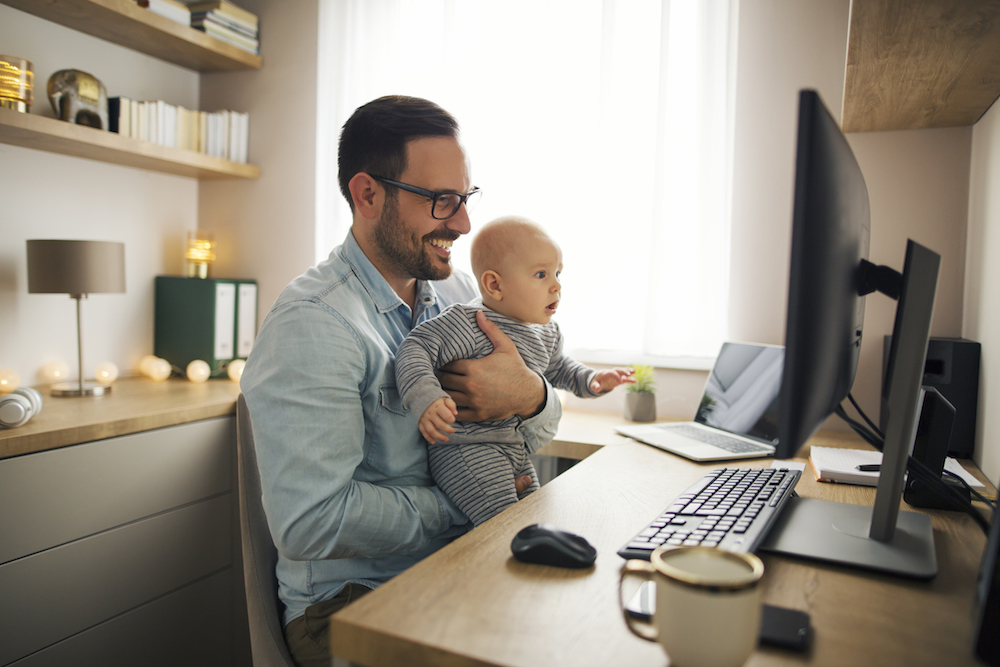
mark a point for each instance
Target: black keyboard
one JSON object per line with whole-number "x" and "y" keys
{"x": 721, "y": 440}
{"x": 729, "y": 508}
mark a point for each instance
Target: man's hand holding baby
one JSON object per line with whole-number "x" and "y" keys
{"x": 605, "y": 381}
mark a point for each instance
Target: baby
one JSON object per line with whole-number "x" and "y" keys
{"x": 518, "y": 267}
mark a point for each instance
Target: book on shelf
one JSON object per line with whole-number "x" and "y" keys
{"x": 119, "y": 116}
{"x": 199, "y": 19}
{"x": 169, "y": 9}
{"x": 833, "y": 464}
{"x": 230, "y": 37}
{"x": 221, "y": 134}
{"x": 228, "y": 10}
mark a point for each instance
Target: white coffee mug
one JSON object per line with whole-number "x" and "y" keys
{"x": 707, "y": 604}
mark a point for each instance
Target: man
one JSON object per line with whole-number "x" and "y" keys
{"x": 346, "y": 488}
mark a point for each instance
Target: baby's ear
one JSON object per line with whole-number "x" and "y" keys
{"x": 491, "y": 284}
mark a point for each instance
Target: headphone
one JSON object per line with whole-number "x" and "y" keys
{"x": 17, "y": 407}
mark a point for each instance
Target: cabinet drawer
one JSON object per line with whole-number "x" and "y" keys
{"x": 54, "y": 497}
{"x": 190, "y": 627}
{"x": 62, "y": 591}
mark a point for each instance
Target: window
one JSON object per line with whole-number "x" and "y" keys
{"x": 608, "y": 123}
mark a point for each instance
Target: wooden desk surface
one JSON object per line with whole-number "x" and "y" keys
{"x": 472, "y": 604}
{"x": 133, "y": 405}
{"x": 582, "y": 433}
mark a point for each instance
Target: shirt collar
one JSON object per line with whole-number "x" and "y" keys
{"x": 375, "y": 284}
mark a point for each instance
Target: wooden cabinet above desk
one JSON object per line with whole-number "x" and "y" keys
{"x": 915, "y": 64}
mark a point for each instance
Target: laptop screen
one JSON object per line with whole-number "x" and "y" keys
{"x": 741, "y": 395}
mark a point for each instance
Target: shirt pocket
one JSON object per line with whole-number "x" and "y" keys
{"x": 394, "y": 447}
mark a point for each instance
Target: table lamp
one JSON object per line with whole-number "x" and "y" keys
{"x": 77, "y": 268}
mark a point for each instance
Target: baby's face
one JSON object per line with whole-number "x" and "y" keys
{"x": 531, "y": 288}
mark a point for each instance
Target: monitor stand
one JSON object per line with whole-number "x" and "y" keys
{"x": 840, "y": 533}
{"x": 880, "y": 538}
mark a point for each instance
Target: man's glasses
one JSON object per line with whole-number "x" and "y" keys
{"x": 443, "y": 204}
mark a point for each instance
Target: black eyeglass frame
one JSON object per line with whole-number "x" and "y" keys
{"x": 430, "y": 194}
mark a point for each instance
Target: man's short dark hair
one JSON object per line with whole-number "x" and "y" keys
{"x": 373, "y": 139}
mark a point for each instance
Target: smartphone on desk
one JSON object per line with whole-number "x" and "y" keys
{"x": 779, "y": 626}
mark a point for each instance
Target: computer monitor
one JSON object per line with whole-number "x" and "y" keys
{"x": 988, "y": 599}
{"x": 828, "y": 280}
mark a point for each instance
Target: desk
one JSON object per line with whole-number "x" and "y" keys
{"x": 471, "y": 603}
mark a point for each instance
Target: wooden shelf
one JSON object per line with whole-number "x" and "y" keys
{"x": 56, "y": 136}
{"x": 915, "y": 64}
{"x": 123, "y": 22}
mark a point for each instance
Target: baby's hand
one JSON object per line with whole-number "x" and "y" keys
{"x": 608, "y": 380}
{"x": 436, "y": 418}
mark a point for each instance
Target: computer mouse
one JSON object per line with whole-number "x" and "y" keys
{"x": 546, "y": 544}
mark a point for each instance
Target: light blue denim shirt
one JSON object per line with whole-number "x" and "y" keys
{"x": 346, "y": 487}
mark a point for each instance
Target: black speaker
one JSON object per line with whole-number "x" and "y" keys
{"x": 930, "y": 447}
{"x": 952, "y": 367}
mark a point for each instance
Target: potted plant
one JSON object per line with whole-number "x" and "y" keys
{"x": 640, "y": 400}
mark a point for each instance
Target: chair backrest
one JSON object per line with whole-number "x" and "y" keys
{"x": 267, "y": 642}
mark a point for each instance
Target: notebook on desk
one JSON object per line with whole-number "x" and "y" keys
{"x": 738, "y": 414}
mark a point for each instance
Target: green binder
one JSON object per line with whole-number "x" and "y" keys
{"x": 211, "y": 319}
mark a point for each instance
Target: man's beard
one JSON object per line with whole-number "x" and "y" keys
{"x": 405, "y": 251}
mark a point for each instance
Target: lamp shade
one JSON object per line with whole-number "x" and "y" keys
{"x": 75, "y": 267}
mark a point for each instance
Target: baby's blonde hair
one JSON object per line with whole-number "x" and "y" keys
{"x": 500, "y": 239}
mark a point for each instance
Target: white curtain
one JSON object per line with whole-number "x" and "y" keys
{"x": 609, "y": 123}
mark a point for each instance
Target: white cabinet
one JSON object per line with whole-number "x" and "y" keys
{"x": 124, "y": 551}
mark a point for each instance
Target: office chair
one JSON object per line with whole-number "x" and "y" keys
{"x": 267, "y": 642}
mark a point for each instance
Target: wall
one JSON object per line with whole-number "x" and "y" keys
{"x": 918, "y": 188}
{"x": 981, "y": 320}
{"x": 265, "y": 229}
{"x": 53, "y": 196}
{"x": 919, "y": 184}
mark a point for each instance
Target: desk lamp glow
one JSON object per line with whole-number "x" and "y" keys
{"x": 77, "y": 268}
{"x": 200, "y": 253}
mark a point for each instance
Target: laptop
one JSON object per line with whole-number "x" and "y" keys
{"x": 738, "y": 414}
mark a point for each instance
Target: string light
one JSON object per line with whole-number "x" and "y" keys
{"x": 9, "y": 380}
{"x": 198, "y": 371}
{"x": 55, "y": 371}
{"x": 235, "y": 369}
{"x": 106, "y": 373}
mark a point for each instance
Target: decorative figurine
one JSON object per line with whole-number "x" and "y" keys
{"x": 17, "y": 83}
{"x": 79, "y": 98}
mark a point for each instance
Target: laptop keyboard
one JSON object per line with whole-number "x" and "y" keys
{"x": 721, "y": 440}
{"x": 729, "y": 508}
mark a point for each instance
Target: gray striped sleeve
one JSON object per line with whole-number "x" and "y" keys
{"x": 449, "y": 336}
{"x": 566, "y": 373}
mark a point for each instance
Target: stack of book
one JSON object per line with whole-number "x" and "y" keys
{"x": 227, "y": 22}
{"x": 221, "y": 134}
{"x": 171, "y": 9}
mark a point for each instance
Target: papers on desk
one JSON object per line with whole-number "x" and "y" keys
{"x": 831, "y": 464}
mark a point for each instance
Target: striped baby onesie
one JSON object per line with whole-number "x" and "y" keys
{"x": 477, "y": 466}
